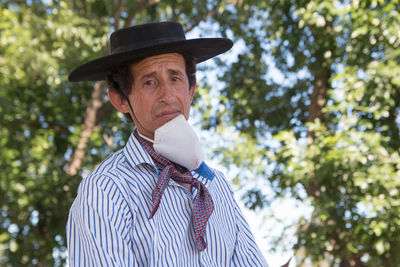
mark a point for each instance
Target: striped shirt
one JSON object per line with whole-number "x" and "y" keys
{"x": 109, "y": 223}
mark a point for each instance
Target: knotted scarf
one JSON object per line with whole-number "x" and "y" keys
{"x": 203, "y": 204}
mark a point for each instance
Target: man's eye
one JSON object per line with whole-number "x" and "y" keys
{"x": 149, "y": 82}
{"x": 175, "y": 78}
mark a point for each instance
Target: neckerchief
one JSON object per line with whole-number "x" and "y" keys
{"x": 203, "y": 204}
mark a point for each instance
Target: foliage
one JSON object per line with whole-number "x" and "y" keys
{"x": 335, "y": 115}
{"x": 40, "y": 122}
{"x": 309, "y": 105}
{"x": 42, "y": 114}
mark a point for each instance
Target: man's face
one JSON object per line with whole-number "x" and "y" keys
{"x": 160, "y": 91}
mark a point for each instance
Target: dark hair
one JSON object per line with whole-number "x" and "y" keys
{"x": 120, "y": 78}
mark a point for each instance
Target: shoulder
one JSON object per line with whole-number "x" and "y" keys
{"x": 104, "y": 187}
{"x": 108, "y": 182}
{"x": 221, "y": 181}
{"x": 221, "y": 189}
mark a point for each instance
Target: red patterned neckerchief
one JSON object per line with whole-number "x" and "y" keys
{"x": 203, "y": 204}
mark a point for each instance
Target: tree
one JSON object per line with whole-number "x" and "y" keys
{"x": 40, "y": 117}
{"x": 53, "y": 131}
{"x": 332, "y": 118}
{"x": 335, "y": 116}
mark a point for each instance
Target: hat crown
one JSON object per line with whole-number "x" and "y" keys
{"x": 146, "y": 35}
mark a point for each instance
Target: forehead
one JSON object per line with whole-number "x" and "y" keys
{"x": 170, "y": 61}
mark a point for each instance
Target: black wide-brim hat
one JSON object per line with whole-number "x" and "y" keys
{"x": 138, "y": 42}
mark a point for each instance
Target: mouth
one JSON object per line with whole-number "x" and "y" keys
{"x": 168, "y": 114}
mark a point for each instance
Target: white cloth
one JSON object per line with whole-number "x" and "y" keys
{"x": 177, "y": 141}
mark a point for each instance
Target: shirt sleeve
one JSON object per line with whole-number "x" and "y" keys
{"x": 246, "y": 252}
{"x": 98, "y": 227}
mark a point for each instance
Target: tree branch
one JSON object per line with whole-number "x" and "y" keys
{"x": 55, "y": 127}
{"x": 117, "y": 14}
{"x": 199, "y": 19}
{"x": 96, "y": 103}
{"x": 205, "y": 16}
{"x": 140, "y": 6}
{"x": 317, "y": 98}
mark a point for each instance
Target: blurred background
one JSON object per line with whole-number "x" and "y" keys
{"x": 302, "y": 115}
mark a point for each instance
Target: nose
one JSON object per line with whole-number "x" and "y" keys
{"x": 166, "y": 94}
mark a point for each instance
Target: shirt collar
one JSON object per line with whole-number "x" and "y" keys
{"x": 135, "y": 153}
{"x": 204, "y": 171}
{"x": 204, "y": 175}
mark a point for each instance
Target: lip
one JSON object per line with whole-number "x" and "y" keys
{"x": 168, "y": 114}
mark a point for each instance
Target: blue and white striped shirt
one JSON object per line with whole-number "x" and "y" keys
{"x": 109, "y": 223}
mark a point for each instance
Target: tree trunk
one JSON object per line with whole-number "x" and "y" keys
{"x": 318, "y": 101}
{"x": 355, "y": 262}
{"x": 96, "y": 103}
{"x": 317, "y": 98}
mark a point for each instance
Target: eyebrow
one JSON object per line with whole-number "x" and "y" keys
{"x": 151, "y": 74}
{"x": 172, "y": 71}
{"x": 176, "y": 72}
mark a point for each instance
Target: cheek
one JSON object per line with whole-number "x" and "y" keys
{"x": 140, "y": 100}
{"x": 190, "y": 96}
{"x": 187, "y": 101}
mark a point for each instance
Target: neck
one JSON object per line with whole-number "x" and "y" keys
{"x": 145, "y": 138}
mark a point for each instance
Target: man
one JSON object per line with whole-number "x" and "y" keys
{"x": 155, "y": 202}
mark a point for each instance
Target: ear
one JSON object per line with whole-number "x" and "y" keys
{"x": 118, "y": 101}
{"x": 192, "y": 90}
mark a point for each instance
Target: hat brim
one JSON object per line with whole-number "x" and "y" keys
{"x": 201, "y": 49}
